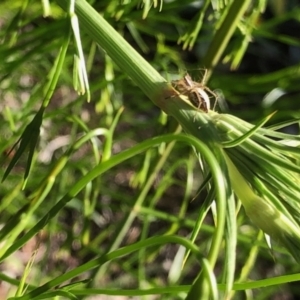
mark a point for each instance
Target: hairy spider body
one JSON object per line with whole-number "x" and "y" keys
{"x": 195, "y": 91}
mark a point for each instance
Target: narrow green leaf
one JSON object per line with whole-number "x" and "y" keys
{"x": 28, "y": 141}
{"x": 247, "y": 135}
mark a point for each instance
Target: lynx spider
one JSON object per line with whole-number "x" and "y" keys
{"x": 196, "y": 92}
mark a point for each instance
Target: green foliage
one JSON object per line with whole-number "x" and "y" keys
{"x": 98, "y": 182}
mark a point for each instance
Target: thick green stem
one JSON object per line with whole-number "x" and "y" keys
{"x": 224, "y": 33}
{"x": 126, "y": 57}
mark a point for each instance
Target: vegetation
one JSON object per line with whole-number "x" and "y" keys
{"x": 119, "y": 180}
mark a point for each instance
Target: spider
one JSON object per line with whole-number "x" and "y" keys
{"x": 195, "y": 91}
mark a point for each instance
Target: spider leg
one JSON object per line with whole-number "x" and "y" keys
{"x": 204, "y": 77}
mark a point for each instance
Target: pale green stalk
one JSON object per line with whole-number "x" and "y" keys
{"x": 127, "y": 59}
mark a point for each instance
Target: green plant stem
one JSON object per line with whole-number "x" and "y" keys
{"x": 110, "y": 256}
{"x": 126, "y": 57}
{"x": 224, "y": 33}
{"x": 113, "y": 161}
